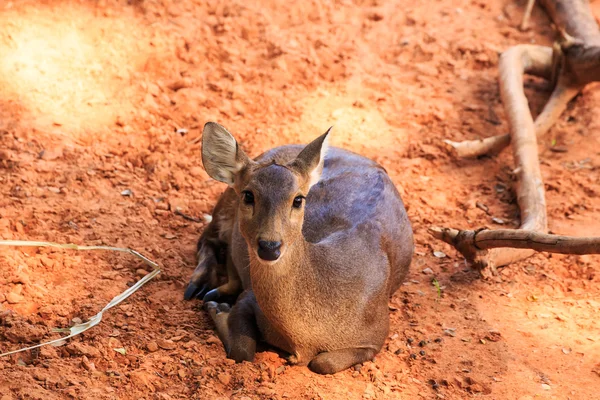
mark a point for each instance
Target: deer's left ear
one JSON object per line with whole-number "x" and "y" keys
{"x": 311, "y": 159}
{"x": 223, "y": 159}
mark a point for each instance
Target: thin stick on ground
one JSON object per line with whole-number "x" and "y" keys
{"x": 570, "y": 65}
{"x": 527, "y": 15}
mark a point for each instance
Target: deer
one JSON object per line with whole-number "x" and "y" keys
{"x": 308, "y": 243}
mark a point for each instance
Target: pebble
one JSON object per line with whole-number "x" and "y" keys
{"x": 265, "y": 391}
{"x": 545, "y": 386}
{"x": 87, "y": 364}
{"x": 450, "y": 332}
{"x": 369, "y": 392}
{"x": 213, "y": 340}
{"x": 14, "y": 298}
{"x": 166, "y": 344}
{"x": 428, "y": 271}
{"x": 141, "y": 272}
{"x": 224, "y": 378}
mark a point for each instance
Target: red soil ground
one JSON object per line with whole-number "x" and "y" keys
{"x": 92, "y": 94}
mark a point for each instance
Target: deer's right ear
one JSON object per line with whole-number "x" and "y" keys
{"x": 221, "y": 155}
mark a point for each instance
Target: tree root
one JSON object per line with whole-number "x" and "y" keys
{"x": 473, "y": 243}
{"x": 570, "y": 65}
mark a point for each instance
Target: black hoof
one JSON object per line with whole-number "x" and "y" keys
{"x": 194, "y": 291}
{"x": 212, "y": 295}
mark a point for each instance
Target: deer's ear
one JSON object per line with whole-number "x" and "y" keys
{"x": 311, "y": 159}
{"x": 223, "y": 159}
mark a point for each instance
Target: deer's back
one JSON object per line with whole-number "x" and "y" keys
{"x": 355, "y": 213}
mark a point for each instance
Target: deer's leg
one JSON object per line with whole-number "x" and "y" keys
{"x": 210, "y": 266}
{"x": 227, "y": 292}
{"x": 212, "y": 256}
{"x": 236, "y": 327}
{"x": 338, "y": 360}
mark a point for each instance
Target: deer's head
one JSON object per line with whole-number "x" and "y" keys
{"x": 271, "y": 196}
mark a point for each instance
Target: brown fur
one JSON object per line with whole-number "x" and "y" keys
{"x": 343, "y": 253}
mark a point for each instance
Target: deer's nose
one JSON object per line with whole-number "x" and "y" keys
{"x": 268, "y": 250}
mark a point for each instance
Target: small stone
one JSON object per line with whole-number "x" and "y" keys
{"x": 450, "y": 332}
{"x": 166, "y": 344}
{"x": 14, "y": 298}
{"x": 427, "y": 271}
{"x": 545, "y": 386}
{"x": 493, "y": 336}
{"x": 127, "y": 192}
{"x": 87, "y": 364}
{"x": 51, "y": 154}
{"x": 422, "y": 343}
{"x": 566, "y": 351}
{"x": 78, "y": 348}
{"x": 265, "y": 391}
{"x": 141, "y": 272}
{"x": 422, "y": 353}
{"x": 224, "y": 378}
{"x": 121, "y": 350}
{"x": 498, "y": 221}
{"x": 439, "y": 254}
{"x": 213, "y": 340}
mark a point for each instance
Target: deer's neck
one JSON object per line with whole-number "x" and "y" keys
{"x": 286, "y": 282}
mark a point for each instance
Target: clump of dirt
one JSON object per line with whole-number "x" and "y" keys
{"x": 101, "y": 108}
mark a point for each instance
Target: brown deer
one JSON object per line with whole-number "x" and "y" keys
{"x": 317, "y": 238}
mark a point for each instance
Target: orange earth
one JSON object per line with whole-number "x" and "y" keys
{"x": 98, "y": 97}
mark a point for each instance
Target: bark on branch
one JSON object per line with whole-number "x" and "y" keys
{"x": 470, "y": 243}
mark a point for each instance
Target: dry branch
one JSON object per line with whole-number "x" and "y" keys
{"x": 570, "y": 65}
{"x": 472, "y": 243}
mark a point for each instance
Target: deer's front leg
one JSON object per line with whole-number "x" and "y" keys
{"x": 236, "y": 327}
{"x": 214, "y": 268}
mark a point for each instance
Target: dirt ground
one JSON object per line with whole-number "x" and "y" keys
{"x": 100, "y": 97}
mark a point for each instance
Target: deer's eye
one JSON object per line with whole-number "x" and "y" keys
{"x": 297, "y": 202}
{"x": 248, "y": 197}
